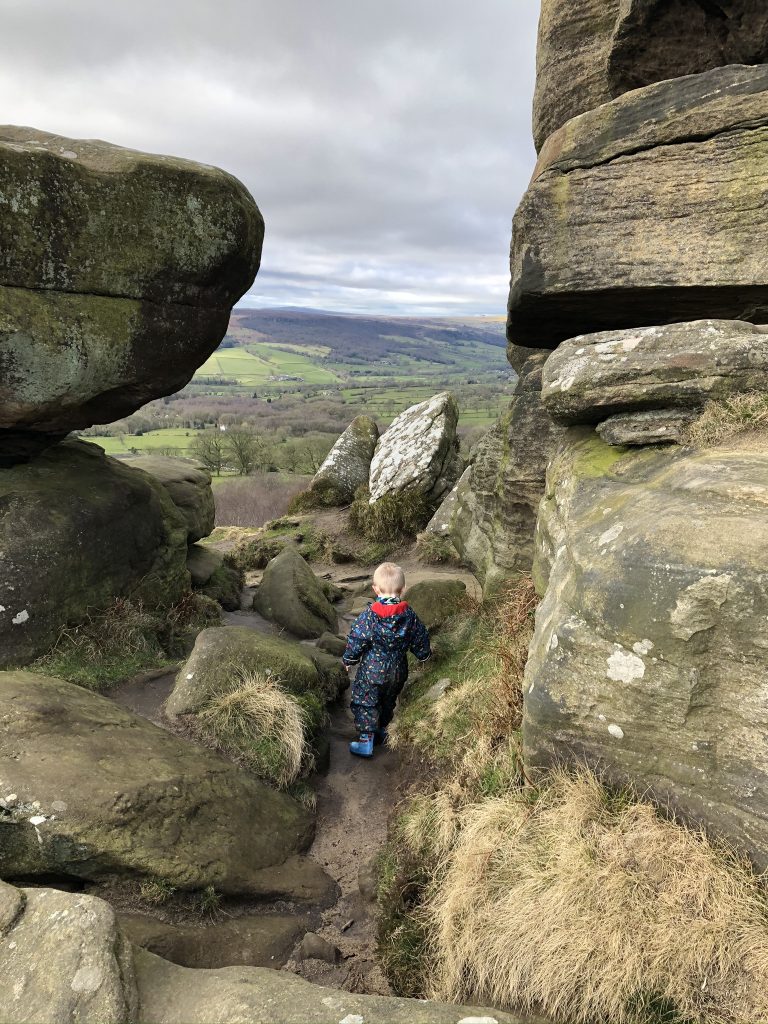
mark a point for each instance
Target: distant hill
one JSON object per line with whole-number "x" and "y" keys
{"x": 387, "y": 346}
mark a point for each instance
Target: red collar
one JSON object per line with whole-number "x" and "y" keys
{"x": 385, "y": 610}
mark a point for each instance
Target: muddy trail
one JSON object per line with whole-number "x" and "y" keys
{"x": 355, "y": 799}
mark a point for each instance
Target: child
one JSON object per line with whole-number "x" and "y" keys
{"x": 378, "y": 643}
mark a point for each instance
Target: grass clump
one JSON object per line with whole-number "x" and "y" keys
{"x": 321, "y": 495}
{"x": 435, "y": 550}
{"x": 391, "y": 519}
{"x": 725, "y": 418}
{"x": 262, "y": 726}
{"x": 156, "y": 891}
{"x": 588, "y": 907}
{"x": 125, "y": 639}
{"x": 256, "y": 552}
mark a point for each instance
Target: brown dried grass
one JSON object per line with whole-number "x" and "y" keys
{"x": 588, "y": 907}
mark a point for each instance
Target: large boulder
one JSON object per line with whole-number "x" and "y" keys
{"x": 438, "y": 600}
{"x": 595, "y": 376}
{"x": 189, "y": 485}
{"x": 179, "y": 995}
{"x": 63, "y": 959}
{"x": 118, "y": 270}
{"x": 490, "y": 516}
{"x": 102, "y": 792}
{"x": 591, "y": 51}
{"x": 649, "y": 658}
{"x": 77, "y": 530}
{"x": 419, "y": 451}
{"x": 220, "y": 654}
{"x": 348, "y": 463}
{"x": 292, "y": 596}
{"x": 645, "y": 211}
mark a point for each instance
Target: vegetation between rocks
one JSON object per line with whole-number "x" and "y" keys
{"x": 125, "y": 639}
{"x": 726, "y": 418}
{"x": 262, "y": 725}
{"x": 566, "y": 898}
{"x": 393, "y": 518}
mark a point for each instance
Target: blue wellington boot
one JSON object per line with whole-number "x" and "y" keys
{"x": 363, "y": 745}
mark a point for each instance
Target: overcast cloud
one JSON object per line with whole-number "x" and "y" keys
{"x": 387, "y": 142}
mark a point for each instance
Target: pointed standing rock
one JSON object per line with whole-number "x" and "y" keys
{"x": 419, "y": 452}
{"x": 348, "y": 463}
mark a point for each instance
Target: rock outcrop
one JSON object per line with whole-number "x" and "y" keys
{"x": 348, "y": 464}
{"x": 591, "y": 51}
{"x": 189, "y": 486}
{"x": 437, "y": 601}
{"x": 218, "y": 656}
{"x": 102, "y": 792}
{"x": 645, "y": 211}
{"x": 679, "y": 366}
{"x": 291, "y": 595}
{"x": 63, "y": 959}
{"x": 489, "y": 517}
{"x": 96, "y": 319}
{"x": 649, "y": 657}
{"x": 77, "y": 530}
{"x": 419, "y": 451}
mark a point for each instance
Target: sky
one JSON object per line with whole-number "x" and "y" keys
{"x": 387, "y": 142}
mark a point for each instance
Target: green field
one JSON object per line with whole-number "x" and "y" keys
{"x": 128, "y": 444}
{"x": 249, "y": 370}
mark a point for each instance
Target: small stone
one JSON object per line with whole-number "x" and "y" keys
{"x": 315, "y": 947}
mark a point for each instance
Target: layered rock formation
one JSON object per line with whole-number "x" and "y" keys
{"x": 645, "y": 211}
{"x": 97, "y": 320}
{"x": 489, "y": 517}
{"x": 591, "y": 51}
{"x": 635, "y": 257}
{"x": 650, "y": 654}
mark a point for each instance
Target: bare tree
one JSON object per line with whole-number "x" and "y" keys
{"x": 208, "y": 448}
{"x": 245, "y": 450}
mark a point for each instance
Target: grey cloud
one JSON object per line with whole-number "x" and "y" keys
{"x": 388, "y": 141}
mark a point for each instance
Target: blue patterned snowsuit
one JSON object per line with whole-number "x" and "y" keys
{"x": 378, "y": 643}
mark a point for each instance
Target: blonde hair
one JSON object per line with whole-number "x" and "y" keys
{"x": 389, "y": 578}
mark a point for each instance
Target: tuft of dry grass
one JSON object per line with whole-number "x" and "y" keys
{"x": 725, "y": 418}
{"x": 588, "y": 907}
{"x": 261, "y": 725}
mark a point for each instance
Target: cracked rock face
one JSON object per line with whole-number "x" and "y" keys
{"x": 118, "y": 270}
{"x": 592, "y": 51}
{"x": 675, "y": 367}
{"x": 348, "y": 463}
{"x": 490, "y": 515}
{"x": 650, "y": 653}
{"x": 645, "y": 211}
{"x": 419, "y": 451}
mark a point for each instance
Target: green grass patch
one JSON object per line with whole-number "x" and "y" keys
{"x": 391, "y": 519}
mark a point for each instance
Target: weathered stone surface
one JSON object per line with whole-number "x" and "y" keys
{"x": 676, "y": 366}
{"x": 64, "y": 960}
{"x": 331, "y": 644}
{"x": 645, "y": 211}
{"x": 117, "y": 273}
{"x": 117, "y": 795}
{"x": 263, "y": 940}
{"x": 419, "y": 451}
{"x": 348, "y": 463}
{"x": 649, "y": 657}
{"x": 78, "y": 529}
{"x": 658, "y": 426}
{"x": 591, "y": 51}
{"x": 202, "y": 563}
{"x": 219, "y": 654}
{"x": 291, "y": 595}
{"x": 436, "y": 601}
{"x": 189, "y": 485}
{"x": 178, "y": 995}
{"x": 490, "y": 516}
{"x": 315, "y": 947}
